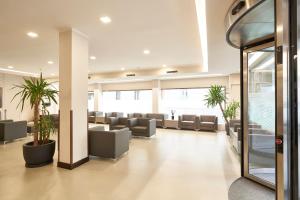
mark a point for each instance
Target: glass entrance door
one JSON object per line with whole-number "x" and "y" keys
{"x": 259, "y": 114}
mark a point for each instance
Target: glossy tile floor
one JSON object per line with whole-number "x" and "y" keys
{"x": 172, "y": 165}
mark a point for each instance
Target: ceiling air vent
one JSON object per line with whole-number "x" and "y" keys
{"x": 130, "y": 75}
{"x": 172, "y": 72}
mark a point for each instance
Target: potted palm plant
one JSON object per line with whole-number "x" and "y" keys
{"x": 39, "y": 93}
{"x": 217, "y": 97}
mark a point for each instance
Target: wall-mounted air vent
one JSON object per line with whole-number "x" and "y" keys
{"x": 172, "y": 72}
{"x": 130, "y": 75}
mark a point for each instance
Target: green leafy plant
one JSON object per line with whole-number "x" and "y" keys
{"x": 231, "y": 110}
{"x": 39, "y": 93}
{"x": 216, "y": 97}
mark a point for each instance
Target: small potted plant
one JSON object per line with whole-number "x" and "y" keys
{"x": 39, "y": 93}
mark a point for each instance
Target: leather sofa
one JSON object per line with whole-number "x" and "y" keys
{"x": 188, "y": 122}
{"x": 118, "y": 123}
{"x": 11, "y": 130}
{"x": 136, "y": 115}
{"x": 142, "y": 127}
{"x": 108, "y": 144}
{"x": 208, "y": 123}
{"x": 112, "y": 115}
{"x": 160, "y": 118}
{"x": 92, "y": 116}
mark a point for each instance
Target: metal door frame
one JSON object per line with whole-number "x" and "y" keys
{"x": 245, "y": 170}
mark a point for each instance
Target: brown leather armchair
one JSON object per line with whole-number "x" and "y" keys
{"x": 208, "y": 123}
{"x": 118, "y": 123}
{"x": 142, "y": 127}
{"x": 188, "y": 122}
{"x": 160, "y": 118}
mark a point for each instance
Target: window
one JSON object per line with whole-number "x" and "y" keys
{"x": 187, "y": 101}
{"x": 128, "y": 101}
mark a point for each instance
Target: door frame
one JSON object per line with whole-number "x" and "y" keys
{"x": 245, "y": 151}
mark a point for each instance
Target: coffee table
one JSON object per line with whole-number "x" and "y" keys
{"x": 171, "y": 124}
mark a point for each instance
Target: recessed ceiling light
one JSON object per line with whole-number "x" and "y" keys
{"x": 52, "y": 74}
{"x": 93, "y": 57}
{"x": 164, "y": 65}
{"x": 10, "y": 67}
{"x": 123, "y": 69}
{"x": 32, "y": 34}
{"x": 50, "y": 62}
{"x": 146, "y": 52}
{"x": 105, "y": 19}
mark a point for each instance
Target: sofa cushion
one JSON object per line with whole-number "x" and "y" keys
{"x": 119, "y": 126}
{"x": 140, "y": 128}
{"x": 207, "y": 123}
{"x": 188, "y": 122}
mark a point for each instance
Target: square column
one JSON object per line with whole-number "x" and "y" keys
{"x": 156, "y": 95}
{"x": 73, "y": 99}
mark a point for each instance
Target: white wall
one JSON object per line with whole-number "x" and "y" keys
{"x": 7, "y": 81}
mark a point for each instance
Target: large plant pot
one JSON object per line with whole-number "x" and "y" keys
{"x": 227, "y": 129}
{"x": 38, "y": 156}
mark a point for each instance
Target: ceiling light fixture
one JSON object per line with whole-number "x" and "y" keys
{"x": 123, "y": 69}
{"x": 52, "y": 74}
{"x": 32, "y": 34}
{"x": 105, "y": 19}
{"x": 164, "y": 65}
{"x": 93, "y": 57}
{"x": 10, "y": 67}
{"x": 146, "y": 52}
{"x": 50, "y": 62}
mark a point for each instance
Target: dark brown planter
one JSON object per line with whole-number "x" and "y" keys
{"x": 38, "y": 156}
{"x": 227, "y": 129}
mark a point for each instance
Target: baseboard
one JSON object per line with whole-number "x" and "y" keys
{"x": 74, "y": 165}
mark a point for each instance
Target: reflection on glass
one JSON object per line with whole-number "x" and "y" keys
{"x": 91, "y": 101}
{"x": 261, "y": 114}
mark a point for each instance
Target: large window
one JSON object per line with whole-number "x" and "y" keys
{"x": 187, "y": 101}
{"x": 128, "y": 101}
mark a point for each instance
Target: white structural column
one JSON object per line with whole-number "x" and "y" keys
{"x": 73, "y": 79}
{"x": 156, "y": 96}
{"x": 98, "y": 97}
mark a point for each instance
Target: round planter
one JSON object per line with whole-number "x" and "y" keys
{"x": 38, "y": 156}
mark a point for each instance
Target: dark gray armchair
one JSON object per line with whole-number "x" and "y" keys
{"x": 142, "y": 127}
{"x": 160, "y": 118}
{"x": 118, "y": 123}
{"x": 208, "y": 123}
{"x": 188, "y": 122}
{"x": 10, "y": 130}
{"x": 93, "y": 116}
{"x": 112, "y": 115}
{"x": 108, "y": 144}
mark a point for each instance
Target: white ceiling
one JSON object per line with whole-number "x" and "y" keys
{"x": 168, "y": 28}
